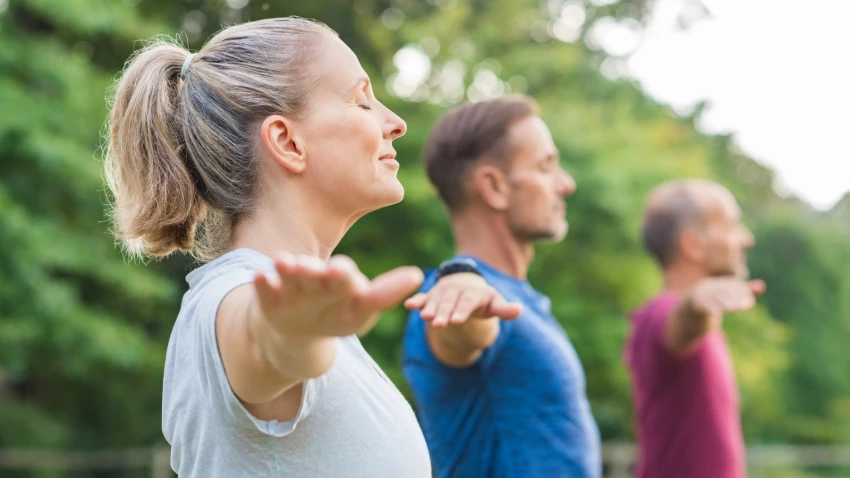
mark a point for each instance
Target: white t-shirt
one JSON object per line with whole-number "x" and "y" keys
{"x": 352, "y": 422}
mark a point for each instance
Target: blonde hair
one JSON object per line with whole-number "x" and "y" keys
{"x": 181, "y": 150}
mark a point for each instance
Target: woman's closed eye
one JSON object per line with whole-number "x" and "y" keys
{"x": 363, "y": 102}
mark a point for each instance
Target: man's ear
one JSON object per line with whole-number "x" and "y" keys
{"x": 691, "y": 245}
{"x": 491, "y": 184}
{"x": 284, "y": 147}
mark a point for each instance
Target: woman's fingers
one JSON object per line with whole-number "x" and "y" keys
{"x": 390, "y": 288}
{"x": 417, "y": 301}
{"x": 311, "y": 275}
{"x": 267, "y": 292}
{"x": 344, "y": 278}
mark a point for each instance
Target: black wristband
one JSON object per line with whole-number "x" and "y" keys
{"x": 456, "y": 266}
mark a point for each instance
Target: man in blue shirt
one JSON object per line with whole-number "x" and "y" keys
{"x": 498, "y": 398}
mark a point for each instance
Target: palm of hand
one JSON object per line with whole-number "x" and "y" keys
{"x": 459, "y": 297}
{"x": 310, "y": 298}
{"x": 715, "y": 296}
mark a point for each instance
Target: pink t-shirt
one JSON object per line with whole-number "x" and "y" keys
{"x": 687, "y": 407}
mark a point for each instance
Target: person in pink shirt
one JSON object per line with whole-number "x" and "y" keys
{"x": 684, "y": 388}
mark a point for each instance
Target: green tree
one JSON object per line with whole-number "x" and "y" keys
{"x": 82, "y": 333}
{"x": 805, "y": 264}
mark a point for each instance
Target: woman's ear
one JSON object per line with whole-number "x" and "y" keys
{"x": 279, "y": 140}
{"x": 491, "y": 184}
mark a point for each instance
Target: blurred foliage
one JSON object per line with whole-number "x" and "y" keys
{"x": 83, "y": 332}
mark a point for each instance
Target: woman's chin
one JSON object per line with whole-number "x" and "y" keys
{"x": 393, "y": 194}
{"x": 379, "y": 198}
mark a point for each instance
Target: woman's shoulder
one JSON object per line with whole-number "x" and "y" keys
{"x": 229, "y": 264}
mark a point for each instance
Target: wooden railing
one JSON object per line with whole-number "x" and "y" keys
{"x": 763, "y": 460}
{"x": 618, "y": 460}
{"x": 155, "y": 459}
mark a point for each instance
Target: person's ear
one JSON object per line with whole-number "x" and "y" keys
{"x": 491, "y": 184}
{"x": 280, "y": 141}
{"x": 691, "y": 245}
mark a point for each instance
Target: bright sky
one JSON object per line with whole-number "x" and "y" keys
{"x": 777, "y": 76}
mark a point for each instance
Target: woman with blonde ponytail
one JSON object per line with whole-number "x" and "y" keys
{"x": 255, "y": 155}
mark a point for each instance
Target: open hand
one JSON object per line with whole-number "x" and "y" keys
{"x": 458, "y": 297}
{"x": 715, "y": 296}
{"x": 311, "y": 298}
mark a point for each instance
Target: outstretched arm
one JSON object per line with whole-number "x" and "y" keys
{"x": 284, "y": 327}
{"x": 464, "y": 312}
{"x": 701, "y": 309}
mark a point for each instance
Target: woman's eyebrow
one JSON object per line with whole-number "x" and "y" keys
{"x": 361, "y": 82}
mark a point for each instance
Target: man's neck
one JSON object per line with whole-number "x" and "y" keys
{"x": 490, "y": 240}
{"x": 681, "y": 277}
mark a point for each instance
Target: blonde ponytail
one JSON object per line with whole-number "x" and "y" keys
{"x": 180, "y": 153}
{"x": 157, "y": 204}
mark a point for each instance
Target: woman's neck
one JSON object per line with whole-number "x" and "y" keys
{"x": 290, "y": 225}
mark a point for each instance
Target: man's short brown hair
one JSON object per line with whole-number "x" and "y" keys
{"x": 466, "y": 134}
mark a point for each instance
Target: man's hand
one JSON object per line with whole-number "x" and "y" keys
{"x": 454, "y": 339}
{"x": 458, "y": 297}
{"x": 701, "y": 309}
{"x": 712, "y": 297}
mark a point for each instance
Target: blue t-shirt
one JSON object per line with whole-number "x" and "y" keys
{"x": 520, "y": 411}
